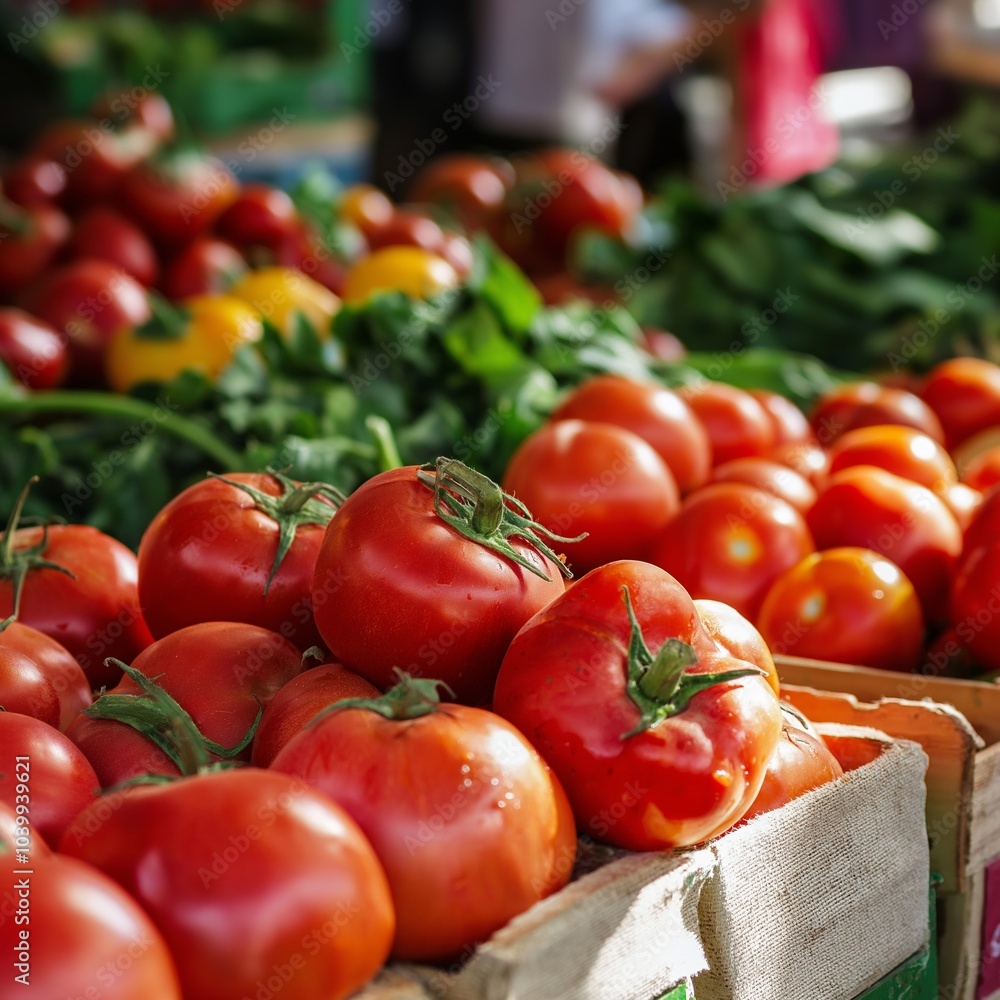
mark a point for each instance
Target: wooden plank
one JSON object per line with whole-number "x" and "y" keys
{"x": 984, "y": 838}
{"x": 960, "y": 919}
{"x": 950, "y": 743}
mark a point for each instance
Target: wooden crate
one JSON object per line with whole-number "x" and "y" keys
{"x": 958, "y": 724}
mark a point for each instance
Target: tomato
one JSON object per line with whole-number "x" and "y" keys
{"x": 864, "y": 404}
{"x": 16, "y": 834}
{"x": 56, "y": 663}
{"x": 472, "y": 188}
{"x": 325, "y": 259}
{"x": 483, "y": 833}
{"x": 963, "y": 501}
{"x": 25, "y": 689}
{"x": 618, "y": 699}
{"x": 242, "y": 548}
{"x": 800, "y": 762}
{"x": 808, "y": 460}
{"x": 30, "y": 239}
{"x": 417, "y": 592}
{"x": 663, "y": 345}
{"x": 408, "y": 269}
{"x": 787, "y": 421}
{"x": 772, "y": 477}
{"x": 848, "y": 605}
{"x": 901, "y": 450}
{"x": 737, "y": 425}
{"x": 32, "y": 350}
{"x": 261, "y": 215}
{"x": 658, "y": 415}
{"x": 149, "y": 112}
{"x": 43, "y": 770}
{"x": 874, "y": 509}
{"x": 408, "y": 228}
{"x": 105, "y": 234}
{"x": 300, "y": 701}
{"x": 729, "y": 543}
{"x": 366, "y": 207}
{"x": 204, "y": 267}
{"x": 974, "y": 605}
{"x": 86, "y": 937}
{"x": 79, "y": 586}
{"x": 983, "y": 472}
{"x": 984, "y": 528}
{"x": 738, "y": 637}
{"x": 949, "y": 656}
{"x": 457, "y": 250}
{"x": 254, "y": 874}
{"x": 89, "y": 301}
{"x": 34, "y": 180}
{"x": 280, "y": 295}
{"x": 177, "y": 199}
{"x": 221, "y": 673}
{"x": 202, "y": 335}
{"x": 579, "y": 476}
{"x": 965, "y": 395}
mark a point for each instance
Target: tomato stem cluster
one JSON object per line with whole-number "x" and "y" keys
{"x": 411, "y": 698}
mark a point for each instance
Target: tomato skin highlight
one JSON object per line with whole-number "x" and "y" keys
{"x": 864, "y": 404}
{"x": 738, "y": 426}
{"x": 563, "y": 684}
{"x": 738, "y": 637}
{"x": 965, "y": 395}
{"x": 900, "y": 450}
{"x": 772, "y": 477}
{"x": 974, "y": 604}
{"x": 25, "y": 689}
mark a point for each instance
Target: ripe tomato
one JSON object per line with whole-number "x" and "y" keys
{"x": 963, "y": 502}
{"x": 901, "y": 450}
{"x": 949, "y": 656}
{"x": 261, "y": 215}
{"x": 848, "y": 605}
{"x": 105, "y": 234}
{"x": 281, "y": 295}
{"x": 482, "y": 834}
{"x": 57, "y": 664}
{"x": 737, "y": 425}
{"x": 871, "y": 508}
{"x": 729, "y": 542}
{"x": 579, "y": 476}
{"x": 660, "y": 417}
{"x": 974, "y": 605}
{"x": 259, "y": 880}
{"x": 984, "y": 528}
{"x": 770, "y": 476}
{"x": 366, "y": 207}
{"x": 89, "y": 301}
{"x": 205, "y": 267}
{"x": 965, "y": 395}
{"x": 472, "y": 188}
{"x": 32, "y": 350}
{"x": 659, "y": 737}
{"x": 44, "y": 772}
{"x": 30, "y": 239}
{"x": 787, "y": 421}
{"x": 423, "y": 594}
{"x": 85, "y": 936}
{"x": 662, "y": 344}
{"x": 300, "y": 701}
{"x": 408, "y": 269}
{"x": 34, "y": 180}
{"x": 25, "y": 689}
{"x": 408, "y": 228}
{"x": 221, "y": 673}
{"x": 808, "y": 460}
{"x": 863, "y": 404}
{"x": 738, "y": 637}
{"x": 800, "y": 762}
{"x": 982, "y": 472}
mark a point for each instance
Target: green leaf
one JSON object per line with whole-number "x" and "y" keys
{"x": 498, "y": 281}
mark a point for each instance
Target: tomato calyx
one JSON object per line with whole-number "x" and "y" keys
{"x": 478, "y": 508}
{"x": 295, "y": 506}
{"x": 155, "y": 714}
{"x": 411, "y": 698}
{"x": 15, "y": 564}
{"x": 659, "y": 685}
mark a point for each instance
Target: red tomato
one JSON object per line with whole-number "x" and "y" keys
{"x": 901, "y": 450}
{"x": 963, "y": 501}
{"x": 663, "y": 345}
{"x": 306, "y": 251}
{"x": 261, "y": 215}
{"x": 44, "y": 771}
{"x": 417, "y": 593}
{"x": 848, "y": 605}
{"x": 178, "y": 199}
{"x": 799, "y": 763}
{"x": 89, "y": 301}
{"x": 366, "y": 207}
{"x": 650, "y": 757}
{"x": 738, "y": 637}
{"x": 737, "y": 425}
{"x": 983, "y": 472}
{"x": 32, "y": 350}
{"x": 221, "y": 673}
{"x": 579, "y": 476}
{"x": 15, "y": 834}
{"x": 105, "y": 234}
{"x": 408, "y": 228}
{"x": 660, "y": 417}
{"x": 457, "y": 250}
{"x": 205, "y": 267}
{"x": 473, "y": 188}
{"x": 871, "y": 508}
{"x": 258, "y": 879}
{"x": 965, "y": 395}
{"x": 483, "y": 833}
{"x": 974, "y": 605}
{"x": 772, "y": 477}
{"x": 57, "y": 664}
{"x": 863, "y": 404}
{"x": 984, "y": 528}
{"x": 787, "y": 421}
{"x": 87, "y": 937}
{"x": 25, "y": 689}
{"x": 30, "y": 239}
{"x": 808, "y": 460}
{"x": 300, "y": 701}
{"x": 34, "y": 180}
{"x": 729, "y": 542}
{"x": 949, "y": 656}
{"x": 90, "y": 605}
{"x": 241, "y": 548}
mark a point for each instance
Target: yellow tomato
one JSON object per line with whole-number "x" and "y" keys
{"x": 201, "y": 336}
{"x": 417, "y": 272}
{"x": 367, "y": 207}
{"x": 279, "y": 293}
